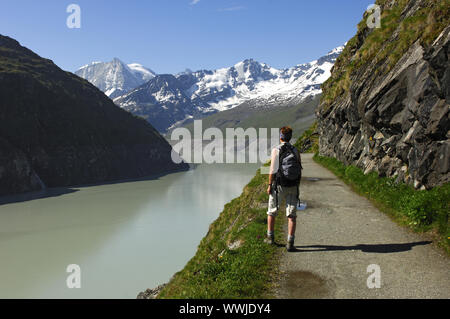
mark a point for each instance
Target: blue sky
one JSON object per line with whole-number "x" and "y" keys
{"x": 169, "y": 36}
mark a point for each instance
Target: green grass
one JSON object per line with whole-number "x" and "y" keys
{"x": 422, "y": 210}
{"x": 308, "y": 142}
{"x": 246, "y": 272}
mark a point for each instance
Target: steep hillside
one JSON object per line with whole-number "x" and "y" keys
{"x": 57, "y": 129}
{"x": 385, "y": 107}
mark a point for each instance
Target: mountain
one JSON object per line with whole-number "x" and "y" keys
{"x": 161, "y": 101}
{"x": 57, "y": 129}
{"x": 299, "y": 116}
{"x": 385, "y": 107}
{"x": 115, "y": 78}
{"x": 257, "y": 83}
{"x": 167, "y": 101}
{"x": 142, "y": 73}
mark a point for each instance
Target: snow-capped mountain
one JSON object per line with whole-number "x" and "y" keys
{"x": 115, "y": 78}
{"x": 141, "y": 72}
{"x": 162, "y": 101}
{"x": 169, "y": 100}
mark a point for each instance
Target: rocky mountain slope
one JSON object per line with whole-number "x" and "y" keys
{"x": 57, "y": 129}
{"x": 386, "y": 104}
{"x": 115, "y": 78}
{"x": 167, "y": 101}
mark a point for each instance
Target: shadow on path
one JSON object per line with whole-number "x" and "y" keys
{"x": 377, "y": 248}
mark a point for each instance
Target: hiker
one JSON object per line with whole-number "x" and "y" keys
{"x": 284, "y": 179}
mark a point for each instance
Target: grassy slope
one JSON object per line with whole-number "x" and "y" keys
{"x": 219, "y": 272}
{"x": 389, "y": 42}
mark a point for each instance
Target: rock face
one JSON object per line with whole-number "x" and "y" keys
{"x": 396, "y": 123}
{"x": 57, "y": 129}
{"x": 151, "y": 293}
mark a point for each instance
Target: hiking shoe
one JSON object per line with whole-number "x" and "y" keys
{"x": 269, "y": 240}
{"x": 290, "y": 246}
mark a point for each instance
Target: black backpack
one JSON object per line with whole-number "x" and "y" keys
{"x": 289, "y": 170}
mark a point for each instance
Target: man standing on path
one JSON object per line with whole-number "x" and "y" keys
{"x": 284, "y": 178}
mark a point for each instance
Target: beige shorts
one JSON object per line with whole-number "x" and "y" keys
{"x": 287, "y": 194}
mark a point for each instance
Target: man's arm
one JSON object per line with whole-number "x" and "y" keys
{"x": 299, "y": 158}
{"x": 273, "y": 169}
{"x": 301, "y": 167}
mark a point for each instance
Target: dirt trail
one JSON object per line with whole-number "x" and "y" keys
{"x": 341, "y": 233}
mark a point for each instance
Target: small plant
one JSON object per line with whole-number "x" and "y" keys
{"x": 308, "y": 142}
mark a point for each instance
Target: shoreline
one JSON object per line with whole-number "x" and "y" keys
{"x": 62, "y": 190}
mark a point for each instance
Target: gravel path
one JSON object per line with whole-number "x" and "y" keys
{"x": 341, "y": 233}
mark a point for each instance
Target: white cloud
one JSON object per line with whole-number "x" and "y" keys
{"x": 193, "y": 2}
{"x": 232, "y": 8}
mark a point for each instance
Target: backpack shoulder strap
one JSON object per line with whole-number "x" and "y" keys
{"x": 290, "y": 148}
{"x": 283, "y": 148}
{"x": 281, "y": 151}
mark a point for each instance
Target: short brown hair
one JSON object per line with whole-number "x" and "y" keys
{"x": 286, "y": 133}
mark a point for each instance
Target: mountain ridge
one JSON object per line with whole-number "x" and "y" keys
{"x": 194, "y": 95}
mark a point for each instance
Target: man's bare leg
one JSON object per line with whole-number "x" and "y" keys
{"x": 292, "y": 223}
{"x": 270, "y": 230}
{"x": 270, "y": 224}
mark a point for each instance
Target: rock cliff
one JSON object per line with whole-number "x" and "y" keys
{"x": 386, "y": 105}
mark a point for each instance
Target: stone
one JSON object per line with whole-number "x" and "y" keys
{"x": 396, "y": 123}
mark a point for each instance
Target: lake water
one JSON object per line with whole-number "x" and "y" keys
{"x": 125, "y": 237}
